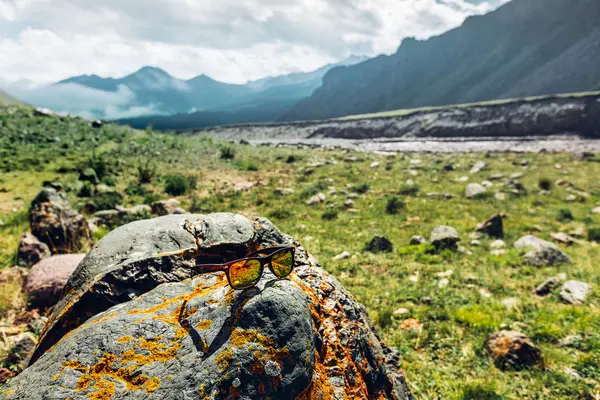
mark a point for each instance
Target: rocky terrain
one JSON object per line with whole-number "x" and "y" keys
{"x": 477, "y": 270}
{"x": 469, "y": 128}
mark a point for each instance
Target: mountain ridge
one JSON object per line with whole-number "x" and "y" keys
{"x": 493, "y": 56}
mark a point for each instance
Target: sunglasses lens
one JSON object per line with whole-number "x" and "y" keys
{"x": 282, "y": 263}
{"x": 245, "y": 274}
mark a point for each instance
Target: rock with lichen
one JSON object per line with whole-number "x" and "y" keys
{"x": 136, "y": 324}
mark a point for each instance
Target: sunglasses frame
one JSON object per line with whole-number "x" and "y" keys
{"x": 265, "y": 259}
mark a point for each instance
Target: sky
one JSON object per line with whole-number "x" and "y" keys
{"x": 233, "y": 41}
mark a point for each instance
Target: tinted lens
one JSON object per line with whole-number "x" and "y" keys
{"x": 245, "y": 274}
{"x": 282, "y": 263}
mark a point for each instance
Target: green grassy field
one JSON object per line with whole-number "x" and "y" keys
{"x": 444, "y": 356}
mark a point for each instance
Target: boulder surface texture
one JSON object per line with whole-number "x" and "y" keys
{"x": 136, "y": 323}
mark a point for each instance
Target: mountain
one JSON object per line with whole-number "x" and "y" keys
{"x": 524, "y": 48}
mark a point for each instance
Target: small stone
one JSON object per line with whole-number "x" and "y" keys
{"x": 562, "y": 276}
{"x": 517, "y": 175}
{"x": 353, "y": 195}
{"x": 410, "y": 182}
{"x": 571, "y": 341}
{"x": 596, "y": 210}
{"x": 562, "y": 238}
{"x": 485, "y": 293}
{"x": 479, "y": 165}
{"x": 444, "y": 237}
{"x": 475, "y": 236}
{"x": 571, "y": 198}
{"x": 464, "y": 250}
{"x": 380, "y": 244}
{"x": 487, "y": 184}
{"x": 21, "y": 348}
{"x": 493, "y": 226}
{"x": 348, "y": 204}
{"x": 578, "y": 232}
{"x": 412, "y": 172}
{"x": 541, "y": 253}
{"x": 557, "y": 166}
{"x": 573, "y": 374}
{"x": 427, "y": 300}
{"x": 475, "y": 243}
{"x": 342, "y": 256}
{"x": 332, "y": 191}
{"x": 496, "y": 177}
{"x": 500, "y": 196}
{"x": 317, "y": 199}
{"x": 463, "y": 179}
{"x": 546, "y": 287}
{"x": 443, "y": 283}
{"x": 272, "y": 368}
{"x": 414, "y": 278}
{"x": 374, "y": 164}
{"x": 415, "y": 162}
{"x": 510, "y": 349}
{"x": 31, "y": 250}
{"x": 498, "y": 244}
{"x": 284, "y": 191}
{"x": 401, "y": 311}
{"x": 416, "y": 240}
{"x": 511, "y": 303}
{"x": 574, "y": 292}
{"x": 445, "y": 274}
{"x": 474, "y": 190}
{"x": 499, "y": 252}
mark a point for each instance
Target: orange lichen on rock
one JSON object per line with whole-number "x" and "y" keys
{"x": 335, "y": 359}
{"x": 202, "y": 325}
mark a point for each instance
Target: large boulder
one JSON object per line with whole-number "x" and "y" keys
{"x": 541, "y": 253}
{"x": 31, "y": 250}
{"x": 139, "y": 321}
{"x": 45, "y": 282}
{"x": 55, "y": 223}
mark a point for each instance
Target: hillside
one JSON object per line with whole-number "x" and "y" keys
{"x": 524, "y": 48}
{"x": 5, "y": 98}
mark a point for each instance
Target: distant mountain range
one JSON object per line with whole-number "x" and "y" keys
{"x": 524, "y": 48}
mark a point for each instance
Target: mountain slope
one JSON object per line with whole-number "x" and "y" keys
{"x": 5, "y": 98}
{"x": 526, "y": 47}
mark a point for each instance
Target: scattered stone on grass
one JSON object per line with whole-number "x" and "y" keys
{"x": 474, "y": 190}
{"x": 574, "y": 292}
{"x": 494, "y": 226}
{"x": 31, "y": 250}
{"x": 541, "y": 253}
{"x": 444, "y": 237}
{"x": 513, "y": 350}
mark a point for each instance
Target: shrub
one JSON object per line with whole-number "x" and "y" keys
{"x": 314, "y": 188}
{"x": 107, "y": 200}
{"x": 565, "y": 214}
{"x": 176, "y": 185}
{"x": 291, "y": 159}
{"x": 394, "y": 205}
{"x": 280, "y": 214}
{"x": 193, "y": 182}
{"x": 362, "y": 188}
{"x": 136, "y": 190}
{"x": 146, "y": 171}
{"x": 329, "y": 215}
{"x": 409, "y": 190}
{"x": 109, "y": 181}
{"x": 594, "y": 234}
{"x": 227, "y": 153}
{"x": 87, "y": 189}
{"x": 480, "y": 391}
{"x": 545, "y": 184}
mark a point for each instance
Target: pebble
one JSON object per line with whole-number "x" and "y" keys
{"x": 443, "y": 283}
{"x": 342, "y": 256}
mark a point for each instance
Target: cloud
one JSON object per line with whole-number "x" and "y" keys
{"x": 229, "y": 40}
{"x": 80, "y": 100}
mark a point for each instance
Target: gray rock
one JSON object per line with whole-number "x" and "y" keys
{"x": 493, "y": 227}
{"x": 21, "y": 348}
{"x": 284, "y": 191}
{"x": 144, "y": 329}
{"x": 444, "y": 237}
{"x": 479, "y": 165}
{"x": 165, "y": 207}
{"x": 546, "y": 287}
{"x": 31, "y": 250}
{"x": 55, "y": 223}
{"x": 89, "y": 175}
{"x": 380, "y": 244}
{"x": 474, "y": 190}
{"x": 500, "y": 196}
{"x": 317, "y": 199}
{"x": 541, "y": 253}
{"x": 415, "y": 240}
{"x": 498, "y": 244}
{"x": 342, "y": 256}
{"x": 496, "y": 177}
{"x": 510, "y": 349}
{"x": 574, "y": 292}
{"x": 45, "y": 282}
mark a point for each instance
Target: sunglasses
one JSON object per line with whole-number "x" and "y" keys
{"x": 246, "y": 272}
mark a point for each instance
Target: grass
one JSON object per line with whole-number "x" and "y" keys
{"x": 444, "y": 358}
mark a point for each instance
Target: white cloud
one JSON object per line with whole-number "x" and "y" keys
{"x": 229, "y": 40}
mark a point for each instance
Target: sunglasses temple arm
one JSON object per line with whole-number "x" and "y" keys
{"x": 205, "y": 268}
